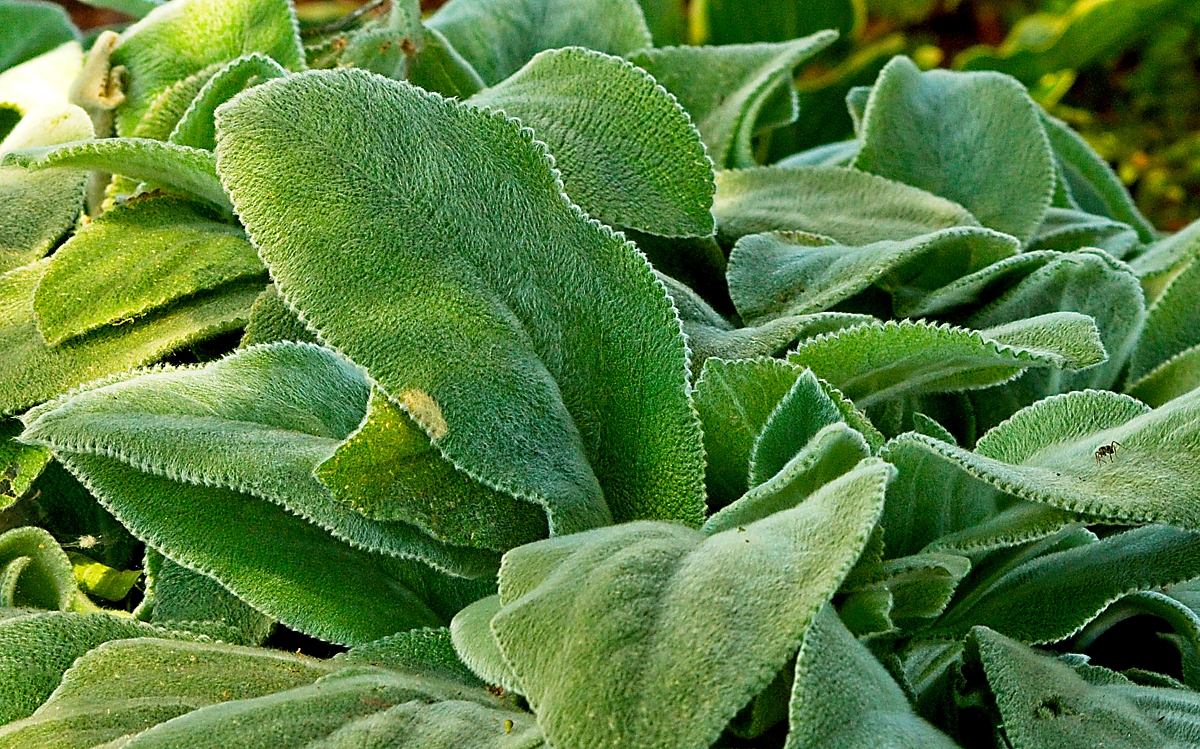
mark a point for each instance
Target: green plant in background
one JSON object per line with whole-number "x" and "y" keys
{"x": 487, "y": 348}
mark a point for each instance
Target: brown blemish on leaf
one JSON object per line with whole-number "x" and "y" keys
{"x": 425, "y": 411}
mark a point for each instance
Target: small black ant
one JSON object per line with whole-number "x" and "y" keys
{"x": 1108, "y": 451}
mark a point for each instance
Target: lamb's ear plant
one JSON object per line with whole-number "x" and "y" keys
{"x": 487, "y": 345}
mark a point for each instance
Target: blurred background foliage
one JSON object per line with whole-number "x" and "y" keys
{"x": 1125, "y": 73}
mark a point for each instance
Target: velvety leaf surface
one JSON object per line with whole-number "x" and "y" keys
{"x": 1172, "y": 324}
{"x": 973, "y": 138}
{"x": 180, "y": 38}
{"x": 165, "y": 111}
{"x": 506, "y": 366}
{"x": 36, "y": 210}
{"x": 725, "y": 88}
{"x": 773, "y": 274}
{"x": 497, "y": 37}
{"x": 1068, "y": 230}
{"x": 852, "y": 207}
{"x": 877, "y": 362}
{"x": 271, "y": 320}
{"x": 38, "y": 648}
{"x": 1046, "y": 704}
{"x": 357, "y": 708}
{"x": 126, "y": 686}
{"x": 1171, "y": 379}
{"x": 31, "y": 29}
{"x": 438, "y": 67}
{"x": 428, "y": 652}
{"x": 188, "y": 170}
{"x": 197, "y": 127}
{"x": 177, "y": 597}
{"x": 258, "y": 422}
{"x": 34, "y": 571}
{"x": 617, "y": 639}
{"x": 388, "y": 470}
{"x": 981, "y": 286}
{"x": 627, "y": 151}
{"x": 135, "y": 259}
{"x": 919, "y": 587}
{"x": 31, "y": 371}
{"x": 734, "y": 400}
{"x": 1047, "y": 453}
{"x": 805, "y": 410}
{"x": 842, "y": 697}
{"x": 471, "y": 635}
{"x": 21, "y": 463}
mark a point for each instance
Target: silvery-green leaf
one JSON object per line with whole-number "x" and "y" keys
{"x": 35, "y": 572}
{"x": 1053, "y": 596}
{"x": 197, "y": 127}
{"x": 471, "y": 633}
{"x": 734, "y": 400}
{"x": 1046, "y": 704}
{"x": 833, "y": 451}
{"x": 1165, "y": 259}
{"x": 1172, "y": 325}
{"x": 183, "y": 37}
{"x": 852, "y": 207}
{"x": 440, "y": 68}
{"x": 497, "y": 37}
{"x": 38, "y": 648}
{"x": 1068, "y": 230}
{"x": 974, "y": 138}
{"x": 123, "y": 687}
{"x": 165, "y": 111}
{"x": 627, "y": 151}
{"x": 136, "y": 259}
{"x": 360, "y": 707}
{"x": 920, "y": 585}
{"x": 176, "y": 597}
{"x": 844, "y": 699}
{"x": 31, "y": 29}
{"x": 1019, "y": 523}
{"x": 837, "y": 154}
{"x": 427, "y": 652}
{"x": 259, "y": 422}
{"x": 879, "y": 362}
{"x": 773, "y": 274}
{"x": 271, "y": 320}
{"x": 617, "y": 639}
{"x": 20, "y": 464}
{"x": 929, "y": 426}
{"x": 507, "y": 367}
{"x": 41, "y": 81}
{"x": 1178, "y": 375}
{"x": 37, "y": 209}
{"x": 732, "y": 22}
{"x": 978, "y": 288}
{"x": 725, "y": 88}
{"x": 32, "y": 372}
{"x": 805, "y": 410}
{"x": 187, "y": 170}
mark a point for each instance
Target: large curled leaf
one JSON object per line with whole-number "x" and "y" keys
{"x": 136, "y": 259}
{"x": 619, "y": 637}
{"x": 185, "y": 36}
{"x": 356, "y": 708}
{"x": 851, "y": 207}
{"x": 628, "y": 153}
{"x": 38, "y": 648}
{"x": 842, "y": 697}
{"x": 497, "y": 37}
{"x": 37, "y": 209}
{"x": 1045, "y": 704}
{"x": 126, "y": 686}
{"x": 783, "y": 274}
{"x": 974, "y": 138}
{"x": 31, "y": 29}
{"x": 498, "y": 354}
{"x": 874, "y": 363}
{"x": 1048, "y": 453}
{"x": 725, "y": 88}
{"x": 197, "y": 127}
{"x": 260, "y": 422}
{"x": 31, "y": 371}
{"x": 34, "y": 571}
{"x": 187, "y": 170}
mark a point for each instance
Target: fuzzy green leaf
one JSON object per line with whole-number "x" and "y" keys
{"x": 879, "y": 362}
{"x": 974, "y": 138}
{"x": 427, "y": 652}
{"x": 165, "y": 111}
{"x": 1068, "y": 230}
{"x": 628, "y": 153}
{"x": 136, "y": 259}
{"x": 197, "y": 127}
{"x": 127, "y": 686}
{"x": 20, "y": 464}
{"x": 259, "y": 422}
{"x": 973, "y": 289}
{"x": 183, "y": 37}
{"x": 31, "y": 29}
{"x": 1172, "y": 324}
{"x": 852, "y": 207}
{"x": 34, "y": 571}
{"x": 726, "y": 88}
{"x": 31, "y": 371}
{"x": 187, "y": 170}
{"x": 1178, "y": 375}
{"x": 507, "y": 367}
{"x": 617, "y": 639}
{"x": 805, "y": 410}
{"x": 471, "y": 634}
{"x": 497, "y": 37}
{"x": 271, "y": 321}
{"x": 774, "y": 274}
{"x": 919, "y": 586}
{"x": 842, "y": 697}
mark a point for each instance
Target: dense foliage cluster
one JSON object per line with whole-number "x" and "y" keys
{"x": 483, "y": 348}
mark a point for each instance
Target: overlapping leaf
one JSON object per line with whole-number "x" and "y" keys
{"x": 197, "y": 127}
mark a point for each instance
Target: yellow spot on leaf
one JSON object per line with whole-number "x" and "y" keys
{"x": 426, "y": 412}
